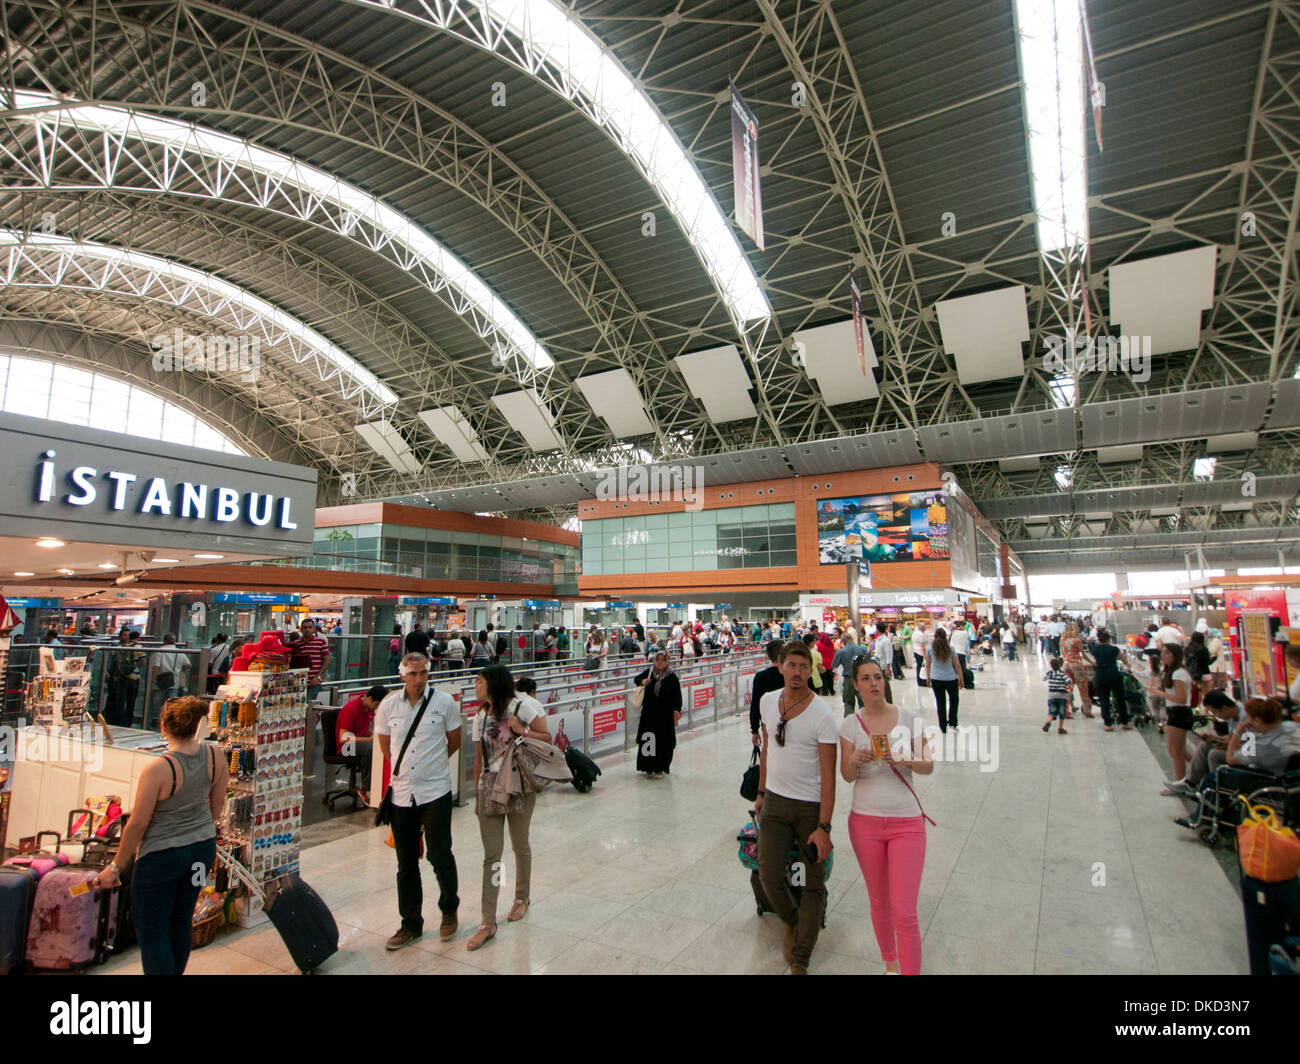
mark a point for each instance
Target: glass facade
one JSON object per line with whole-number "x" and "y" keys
{"x": 439, "y": 554}
{"x": 740, "y": 537}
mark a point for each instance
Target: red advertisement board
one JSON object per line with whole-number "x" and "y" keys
{"x": 701, "y": 696}
{"x": 606, "y": 721}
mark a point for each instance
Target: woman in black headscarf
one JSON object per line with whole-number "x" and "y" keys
{"x": 656, "y": 731}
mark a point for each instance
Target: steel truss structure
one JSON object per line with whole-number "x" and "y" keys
{"x": 833, "y": 211}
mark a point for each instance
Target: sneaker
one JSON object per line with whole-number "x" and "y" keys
{"x": 1061, "y": 731}
{"x": 447, "y": 929}
{"x": 1186, "y": 821}
{"x": 1175, "y": 789}
{"x": 402, "y": 938}
{"x": 1047, "y": 727}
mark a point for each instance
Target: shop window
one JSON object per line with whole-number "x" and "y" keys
{"x": 780, "y": 558}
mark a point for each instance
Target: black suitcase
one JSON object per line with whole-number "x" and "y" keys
{"x": 968, "y": 680}
{"x": 765, "y": 906}
{"x": 304, "y": 921}
{"x": 1269, "y": 909}
{"x": 17, "y": 893}
{"x": 584, "y": 769}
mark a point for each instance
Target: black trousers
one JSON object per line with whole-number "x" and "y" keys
{"x": 1111, "y": 685}
{"x": 434, "y": 819}
{"x": 945, "y": 700}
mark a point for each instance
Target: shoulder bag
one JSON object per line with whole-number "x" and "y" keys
{"x": 384, "y": 814}
{"x": 894, "y": 768}
{"x": 749, "y": 781}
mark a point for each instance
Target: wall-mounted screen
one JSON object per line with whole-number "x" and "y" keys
{"x": 909, "y": 527}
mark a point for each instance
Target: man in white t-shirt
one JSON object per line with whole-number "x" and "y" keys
{"x": 796, "y": 800}
{"x": 960, "y": 643}
{"x": 422, "y": 794}
{"x": 920, "y": 643}
{"x": 1169, "y": 634}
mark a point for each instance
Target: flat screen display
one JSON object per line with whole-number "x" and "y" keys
{"x": 909, "y": 527}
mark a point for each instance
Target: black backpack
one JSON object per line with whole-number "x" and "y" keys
{"x": 501, "y": 644}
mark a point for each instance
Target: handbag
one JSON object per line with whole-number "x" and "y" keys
{"x": 1268, "y": 851}
{"x": 592, "y": 662}
{"x": 384, "y": 814}
{"x": 637, "y": 698}
{"x": 749, "y": 781}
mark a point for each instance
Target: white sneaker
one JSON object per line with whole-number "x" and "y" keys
{"x": 1175, "y": 788}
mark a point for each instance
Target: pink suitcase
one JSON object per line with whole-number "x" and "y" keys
{"x": 41, "y": 861}
{"x": 71, "y": 930}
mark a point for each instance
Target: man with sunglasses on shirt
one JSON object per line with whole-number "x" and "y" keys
{"x": 796, "y": 800}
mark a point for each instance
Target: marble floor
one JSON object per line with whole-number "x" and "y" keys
{"x": 1063, "y": 859}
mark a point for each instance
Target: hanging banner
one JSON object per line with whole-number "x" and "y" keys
{"x": 744, "y": 166}
{"x": 856, "y": 293}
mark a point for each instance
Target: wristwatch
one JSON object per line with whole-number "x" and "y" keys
{"x": 825, "y": 827}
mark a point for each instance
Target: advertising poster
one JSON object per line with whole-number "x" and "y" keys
{"x": 700, "y": 702}
{"x": 745, "y": 169}
{"x": 607, "y": 725}
{"x": 1260, "y": 681}
{"x": 912, "y": 526}
{"x": 566, "y": 728}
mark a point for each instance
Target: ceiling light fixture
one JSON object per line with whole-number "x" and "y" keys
{"x": 66, "y": 572}
{"x": 49, "y": 542}
{"x": 209, "y": 556}
{"x": 24, "y": 574}
{"x": 1049, "y": 38}
{"x": 108, "y": 565}
{"x": 168, "y": 561}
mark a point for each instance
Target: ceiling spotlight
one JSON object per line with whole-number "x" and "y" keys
{"x": 24, "y": 574}
{"x": 209, "y": 555}
{"x": 49, "y": 542}
{"x": 127, "y": 578}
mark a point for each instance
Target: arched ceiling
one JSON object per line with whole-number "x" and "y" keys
{"x": 912, "y": 111}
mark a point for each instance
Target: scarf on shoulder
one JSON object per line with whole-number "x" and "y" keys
{"x": 659, "y": 676}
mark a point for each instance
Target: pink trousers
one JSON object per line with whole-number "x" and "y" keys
{"x": 891, "y": 851}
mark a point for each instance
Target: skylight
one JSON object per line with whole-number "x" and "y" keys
{"x": 1203, "y": 468}
{"x": 355, "y": 205}
{"x": 1050, "y": 41}
{"x": 1064, "y": 475}
{"x": 588, "y": 72}
{"x": 238, "y": 297}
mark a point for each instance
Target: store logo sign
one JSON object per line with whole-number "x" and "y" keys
{"x": 153, "y": 495}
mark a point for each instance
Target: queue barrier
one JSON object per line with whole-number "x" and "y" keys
{"x": 592, "y": 708}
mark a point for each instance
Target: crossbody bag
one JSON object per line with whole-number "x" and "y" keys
{"x": 384, "y": 814}
{"x": 894, "y": 768}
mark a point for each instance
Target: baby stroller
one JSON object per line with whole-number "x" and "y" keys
{"x": 748, "y": 855}
{"x": 1135, "y": 699}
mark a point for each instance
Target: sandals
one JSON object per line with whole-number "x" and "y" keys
{"x": 481, "y": 937}
{"x": 517, "y": 910}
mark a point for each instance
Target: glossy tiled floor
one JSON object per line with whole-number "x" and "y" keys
{"x": 642, "y": 876}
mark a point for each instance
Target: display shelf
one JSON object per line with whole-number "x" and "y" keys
{"x": 259, "y": 718}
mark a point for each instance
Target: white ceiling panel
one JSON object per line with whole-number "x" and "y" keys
{"x": 1163, "y": 297}
{"x": 1125, "y": 453}
{"x": 1018, "y": 465}
{"x": 874, "y": 450}
{"x": 529, "y": 416}
{"x": 451, "y": 428}
{"x": 1235, "y": 441}
{"x": 614, "y": 397}
{"x": 1286, "y": 409}
{"x": 384, "y": 439}
{"x": 717, "y": 378}
{"x": 831, "y": 359}
{"x": 984, "y": 332}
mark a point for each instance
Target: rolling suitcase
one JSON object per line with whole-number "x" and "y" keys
{"x": 17, "y": 893}
{"x": 1269, "y": 910}
{"x": 304, "y": 921}
{"x": 41, "y": 861}
{"x": 72, "y": 924}
{"x": 584, "y": 769}
{"x": 968, "y": 679}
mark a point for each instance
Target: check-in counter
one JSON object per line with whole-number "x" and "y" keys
{"x": 55, "y": 771}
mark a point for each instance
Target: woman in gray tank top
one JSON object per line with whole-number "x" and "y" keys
{"x": 171, "y": 838}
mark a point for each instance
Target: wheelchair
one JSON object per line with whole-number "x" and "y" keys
{"x": 1219, "y": 812}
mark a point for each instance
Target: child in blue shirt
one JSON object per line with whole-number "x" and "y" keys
{"x": 1058, "y": 696}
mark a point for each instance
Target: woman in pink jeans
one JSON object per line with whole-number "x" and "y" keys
{"x": 887, "y": 825}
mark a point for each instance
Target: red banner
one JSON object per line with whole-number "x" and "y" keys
{"x": 606, "y": 722}
{"x": 701, "y": 696}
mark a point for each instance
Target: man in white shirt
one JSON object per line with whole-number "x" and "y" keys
{"x": 796, "y": 800}
{"x": 1169, "y": 634}
{"x": 422, "y": 794}
{"x": 920, "y": 642}
{"x": 960, "y": 643}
